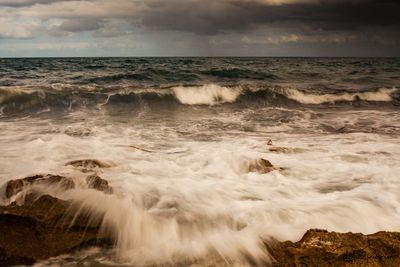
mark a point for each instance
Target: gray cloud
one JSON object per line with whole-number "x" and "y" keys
{"x": 109, "y": 32}
{"x": 238, "y": 16}
{"x": 80, "y": 25}
{"x": 243, "y": 24}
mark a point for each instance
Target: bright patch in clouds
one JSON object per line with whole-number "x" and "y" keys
{"x": 14, "y": 30}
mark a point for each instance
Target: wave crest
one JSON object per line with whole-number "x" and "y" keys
{"x": 210, "y": 94}
{"x": 381, "y": 95}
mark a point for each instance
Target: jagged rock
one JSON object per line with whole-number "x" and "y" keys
{"x": 13, "y": 187}
{"x": 259, "y": 165}
{"x": 323, "y": 248}
{"x": 96, "y": 182}
{"x": 43, "y": 227}
{"x": 87, "y": 165}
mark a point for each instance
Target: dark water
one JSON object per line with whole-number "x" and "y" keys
{"x": 36, "y": 85}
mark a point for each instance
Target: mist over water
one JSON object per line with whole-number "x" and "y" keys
{"x": 176, "y": 134}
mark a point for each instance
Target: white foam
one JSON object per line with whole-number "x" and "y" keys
{"x": 210, "y": 94}
{"x": 381, "y": 95}
{"x": 168, "y": 208}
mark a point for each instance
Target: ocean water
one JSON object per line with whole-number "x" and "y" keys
{"x": 177, "y": 133}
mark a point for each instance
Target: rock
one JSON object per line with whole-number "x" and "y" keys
{"x": 13, "y": 187}
{"x": 280, "y": 149}
{"x": 323, "y": 248}
{"x": 43, "y": 227}
{"x": 87, "y": 165}
{"x": 259, "y": 165}
{"x": 96, "y": 182}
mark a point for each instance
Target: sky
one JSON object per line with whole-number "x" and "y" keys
{"x": 66, "y": 28}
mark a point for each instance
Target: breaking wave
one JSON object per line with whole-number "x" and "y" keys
{"x": 206, "y": 95}
{"x": 14, "y": 100}
{"x": 380, "y": 95}
{"x": 213, "y": 94}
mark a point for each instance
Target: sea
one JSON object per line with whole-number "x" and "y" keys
{"x": 177, "y": 134}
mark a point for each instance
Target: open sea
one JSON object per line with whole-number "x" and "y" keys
{"x": 177, "y": 133}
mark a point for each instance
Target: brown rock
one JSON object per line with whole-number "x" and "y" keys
{"x": 43, "y": 227}
{"x": 323, "y": 248}
{"x": 259, "y": 165}
{"x": 88, "y": 164}
{"x": 96, "y": 182}
{"x": 13, "y": 187}
{"x": 279, "y": 149}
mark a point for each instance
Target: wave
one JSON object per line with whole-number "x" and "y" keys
{"x": 206, "y": 95}
{"x": 14, "y": 99}
{"x": 20, "y": 99}
{"x": 212, "y": 94}
{"x": 380, "y": 95}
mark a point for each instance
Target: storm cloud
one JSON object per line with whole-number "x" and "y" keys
{"x": 238, "y": 16}
{"x": 256, "y": 27}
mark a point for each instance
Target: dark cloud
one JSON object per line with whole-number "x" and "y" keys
{"x": 217, "y": 17}
{"x": 80, "y": 25}
{"x": 246, "y": 27}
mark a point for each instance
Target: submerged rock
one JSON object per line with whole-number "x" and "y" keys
{"x": 98, "y": 183}
{"x": 323, "y": 248}
{"x": 280, "y": 149}
{"x": 87, "y": 165}
{"x": 13, "y": 187}
{"x": 258, "y": 165}
{"x": 43, "y": 227}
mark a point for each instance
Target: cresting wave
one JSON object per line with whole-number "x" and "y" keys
{"x": 212, "y": 94}
{"x": 20, "y": 99}
{"x": 381, "y": 95}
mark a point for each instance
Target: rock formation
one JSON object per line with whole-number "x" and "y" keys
{"x": 323, "y": 248}
{"x": 87, "y": 165}
{"x": 45, "y": 226}
{"x": 258, "y": 165}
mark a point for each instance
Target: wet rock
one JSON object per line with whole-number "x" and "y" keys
{"x": 78, "y": 132}
{"x": 278, "y": 149}
{"x": 87, "y": 165}
{"x": 13, "y": 187}
{"x": 96, "y": 182}
{"x": 323, "y": 248}
{"x": 43, "y": 227}
{"x": 259, "y": 165}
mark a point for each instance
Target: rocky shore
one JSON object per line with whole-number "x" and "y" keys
{"x": 35, "y": 227}
{"x": 44, "y": 226}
